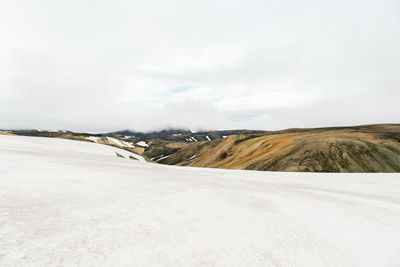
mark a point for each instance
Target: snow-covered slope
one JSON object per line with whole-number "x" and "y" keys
{"x": 142, "y": 144}
{"x": 93, "y": 138}
{"x": 70, "y": 203}
{"x": 119, "y": 143}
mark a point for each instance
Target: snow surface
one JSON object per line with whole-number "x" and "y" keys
{"x": 191, "y": 139}
{"x": 71, "y": 203}
{"x": 93, "y": 138}
{"x": 163, "y": 157}
{"x": 115, "y": 141}
{"x": 128, "y": 144}
{"x": 208, "y": 138}
{"x": 121, "y": 144}
{"x": 127, "y": 154}
{"x": 142, "y": 143}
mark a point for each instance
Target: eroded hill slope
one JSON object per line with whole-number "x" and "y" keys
{"x": 374, "y": 148}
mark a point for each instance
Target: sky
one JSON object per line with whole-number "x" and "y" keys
{"x": 213, "y": 64}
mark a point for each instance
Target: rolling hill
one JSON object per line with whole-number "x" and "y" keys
{"x": 371, "y": 148}
{"x": 367, "y": 148}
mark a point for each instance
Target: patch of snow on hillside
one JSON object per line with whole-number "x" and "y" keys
{"x": 93, "y": 138}
{"x": 224, "y": 136}
{"x": 192, "y": 157}
{"x": 128, "y": 144}
{"x": 115, "y": 141}
{"x": 208, "y": 138}
{"x": 120, "y": 143}
{"x": 142, "y": 144}
{"x": 163, "y": 158}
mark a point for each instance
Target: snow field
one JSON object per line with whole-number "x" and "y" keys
{"x": 71, "y": 203}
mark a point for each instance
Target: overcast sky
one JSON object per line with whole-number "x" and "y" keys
{"x": 209, "y": 64}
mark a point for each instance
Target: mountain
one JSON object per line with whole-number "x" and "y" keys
{"x": 370, "y": 148}
{"x": 180, "y": 135}
{"x": 367, "y": 148}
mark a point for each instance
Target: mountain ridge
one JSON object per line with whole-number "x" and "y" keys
{"x": 363, "y": 148}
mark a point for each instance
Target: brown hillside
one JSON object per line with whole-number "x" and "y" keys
{"x": 5, "y": 133}
{"x": 371, "y": 148}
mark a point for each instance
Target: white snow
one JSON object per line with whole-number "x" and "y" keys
{"x": 224, "y": 136}
{"x": 208, "y": 138}
{"x": 93, "y": 138}
{"x": 191, "y": 139}
{"x": 192, "y": 157}
{"x": 142, "y": 144}
{"x": 126, "y": 154}
{"x": 115, "y": 141}
{"x": 71, "y": 203}
{"x": 120, "y": 143}
{"x": 127, "y": 144}
{"x": 163, "y": 157}
{"x": 156, "y": 157}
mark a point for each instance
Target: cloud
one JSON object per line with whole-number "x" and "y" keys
{"x": 145, "y": 65}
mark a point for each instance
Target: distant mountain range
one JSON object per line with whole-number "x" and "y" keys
{"x": 182, "y": 134}
{"x": 368, "y": 148}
